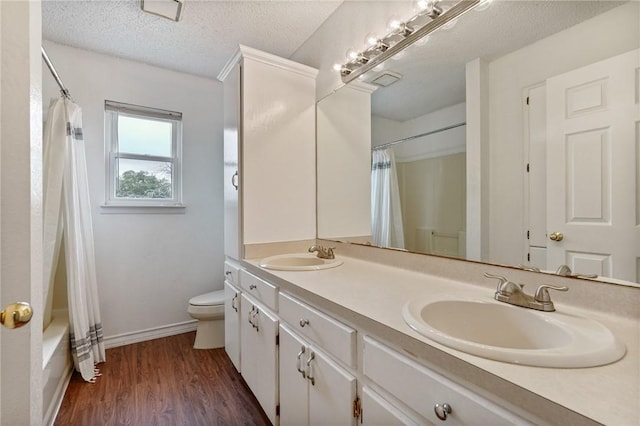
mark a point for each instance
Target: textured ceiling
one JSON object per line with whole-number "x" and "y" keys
{"x": 200, "y": 43}
{"x": 314, "y": 32}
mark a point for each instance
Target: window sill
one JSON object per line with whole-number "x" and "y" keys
{"x": 142, "y": 209}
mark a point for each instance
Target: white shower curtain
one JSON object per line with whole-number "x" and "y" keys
{"x": 67, "y": 217}
{"x": 386, "y": 213}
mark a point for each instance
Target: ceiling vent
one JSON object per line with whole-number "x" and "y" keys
{"x": 171, "y": 9}
{"x": 386, "y": 78}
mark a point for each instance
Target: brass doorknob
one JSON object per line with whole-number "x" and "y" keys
{"x": 16, "y": 315}
{"x": 556, "y": 236}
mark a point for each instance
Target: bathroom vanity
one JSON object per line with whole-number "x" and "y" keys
{"x": 333, "y": 344}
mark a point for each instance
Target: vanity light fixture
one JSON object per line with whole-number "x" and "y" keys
{"x": 170, "y": 9}
{"x": 402, "y": 35}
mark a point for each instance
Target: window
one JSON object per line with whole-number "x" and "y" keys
{"x": 143, "y": 155}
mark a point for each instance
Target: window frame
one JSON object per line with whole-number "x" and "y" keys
{"x": 113, "y": 110}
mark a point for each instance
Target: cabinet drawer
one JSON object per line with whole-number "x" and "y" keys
{"x": 421, "y": 389}
{"x": 231, "y": 270}
{"x": 259, "y": 289}
{"x": 331, "y": 335}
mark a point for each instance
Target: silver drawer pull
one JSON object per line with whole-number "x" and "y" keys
{"x": 309, "y": 376}
{"x": 442, "y": 411}
{"x": 233, "y": 302}
{"x": 299, "y": 363}
{"x": 304, "y": 322}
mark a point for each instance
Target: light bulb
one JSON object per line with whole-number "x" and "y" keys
{"x": 337, "y": 67}
{"x": 371, "y": 39}
{"x": 394, "y": 23}
{"x": 352, "y": 54}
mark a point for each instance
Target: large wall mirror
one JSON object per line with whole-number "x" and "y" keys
{"x": 511, "y": 138}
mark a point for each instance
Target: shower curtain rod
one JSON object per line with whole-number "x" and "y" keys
{"x": 63, "y": 90}
{"x": 388, "y": 144}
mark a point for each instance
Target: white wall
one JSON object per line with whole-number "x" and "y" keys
{"x": 606, "y": 35}
{"x": 443, "y": 143}
{"x": 150, "y": 265}
{"x": 343, "y": 141}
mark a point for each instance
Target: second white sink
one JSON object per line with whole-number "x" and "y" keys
{"x": 298, "y": 262}
{"x": 517, "y": 335}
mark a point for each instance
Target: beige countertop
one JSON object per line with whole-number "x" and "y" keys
{"x": 366, "y": 291}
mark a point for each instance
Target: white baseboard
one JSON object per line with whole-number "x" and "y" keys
{"x": 149, "y": 334}
{"x": 56, "y": 402}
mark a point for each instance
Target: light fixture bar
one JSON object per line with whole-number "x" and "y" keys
{"x": 460, "y": 8}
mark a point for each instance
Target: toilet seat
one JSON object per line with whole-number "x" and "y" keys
{"x": 208, "y": 299}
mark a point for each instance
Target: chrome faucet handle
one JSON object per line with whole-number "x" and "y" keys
{"x": 542, "y": 293}
{"x": 501, "y": 281}
{"x": 529, "y": 268}
{"x": 329, "y": 253}
{"x": 563, "y": 270}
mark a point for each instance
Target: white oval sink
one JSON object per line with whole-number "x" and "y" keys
{"x": 298, "y": 262}
{"x": 512, "y": 334}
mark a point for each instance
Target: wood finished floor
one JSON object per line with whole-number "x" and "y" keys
{"x": 162, "y": 382}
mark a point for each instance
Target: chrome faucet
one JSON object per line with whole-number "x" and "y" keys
{"x": 323, "y": 253}
{"x": 565, "y": 271}
{"x": 513, "y": 294}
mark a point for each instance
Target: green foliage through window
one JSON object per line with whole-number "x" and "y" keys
{"x": 142, "y": 184}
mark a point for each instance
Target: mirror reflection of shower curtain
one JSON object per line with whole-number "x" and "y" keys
{"x": 386, "y": 213}
{"x": 67, "y": 217}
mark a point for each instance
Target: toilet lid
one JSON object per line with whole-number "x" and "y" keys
{"x": 208, "y": 299}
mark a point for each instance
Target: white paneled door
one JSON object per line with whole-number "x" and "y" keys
{"x": 593, "y": 121}
{"x": 20, "y": 209}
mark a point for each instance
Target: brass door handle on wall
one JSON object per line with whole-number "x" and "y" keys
{"x": 16, "y": 315}
{"x": 556, "y": 236}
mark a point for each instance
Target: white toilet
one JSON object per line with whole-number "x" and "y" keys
{"x": 208, "y": 309}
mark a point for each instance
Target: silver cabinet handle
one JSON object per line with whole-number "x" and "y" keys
{"x": 442, "y": 411}
{"x": 233, "y": 302}
{"x": 304, "y": 322}
{"x": 299, "y": 362}
{"x": 309, "y": 376}
{"x": 234, "y": 180}
{"x": 255, "y": 324}
{"x": 252, "y": 318}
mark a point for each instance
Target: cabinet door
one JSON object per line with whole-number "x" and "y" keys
{"x": 378, "y": 411}
{"x": 231, "y": 88}
{"x": 294, "y": 394}
{"x": 332, "y": 391}
{"x": 232, "y": 323}
{"x": 259, "y": 354}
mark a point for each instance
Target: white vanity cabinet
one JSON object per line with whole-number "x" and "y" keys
{"x": 232, "y": 320}
{"x": 314, "y": 387}
{"x": 377, "y": 411}
{"x": 426, "y": 392}
{"x": 269, "y": 119}
{"x": 259, "y": 353}
{"x": 259, "y": 340}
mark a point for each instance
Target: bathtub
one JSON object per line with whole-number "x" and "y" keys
{"x": 57, "y": 365}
